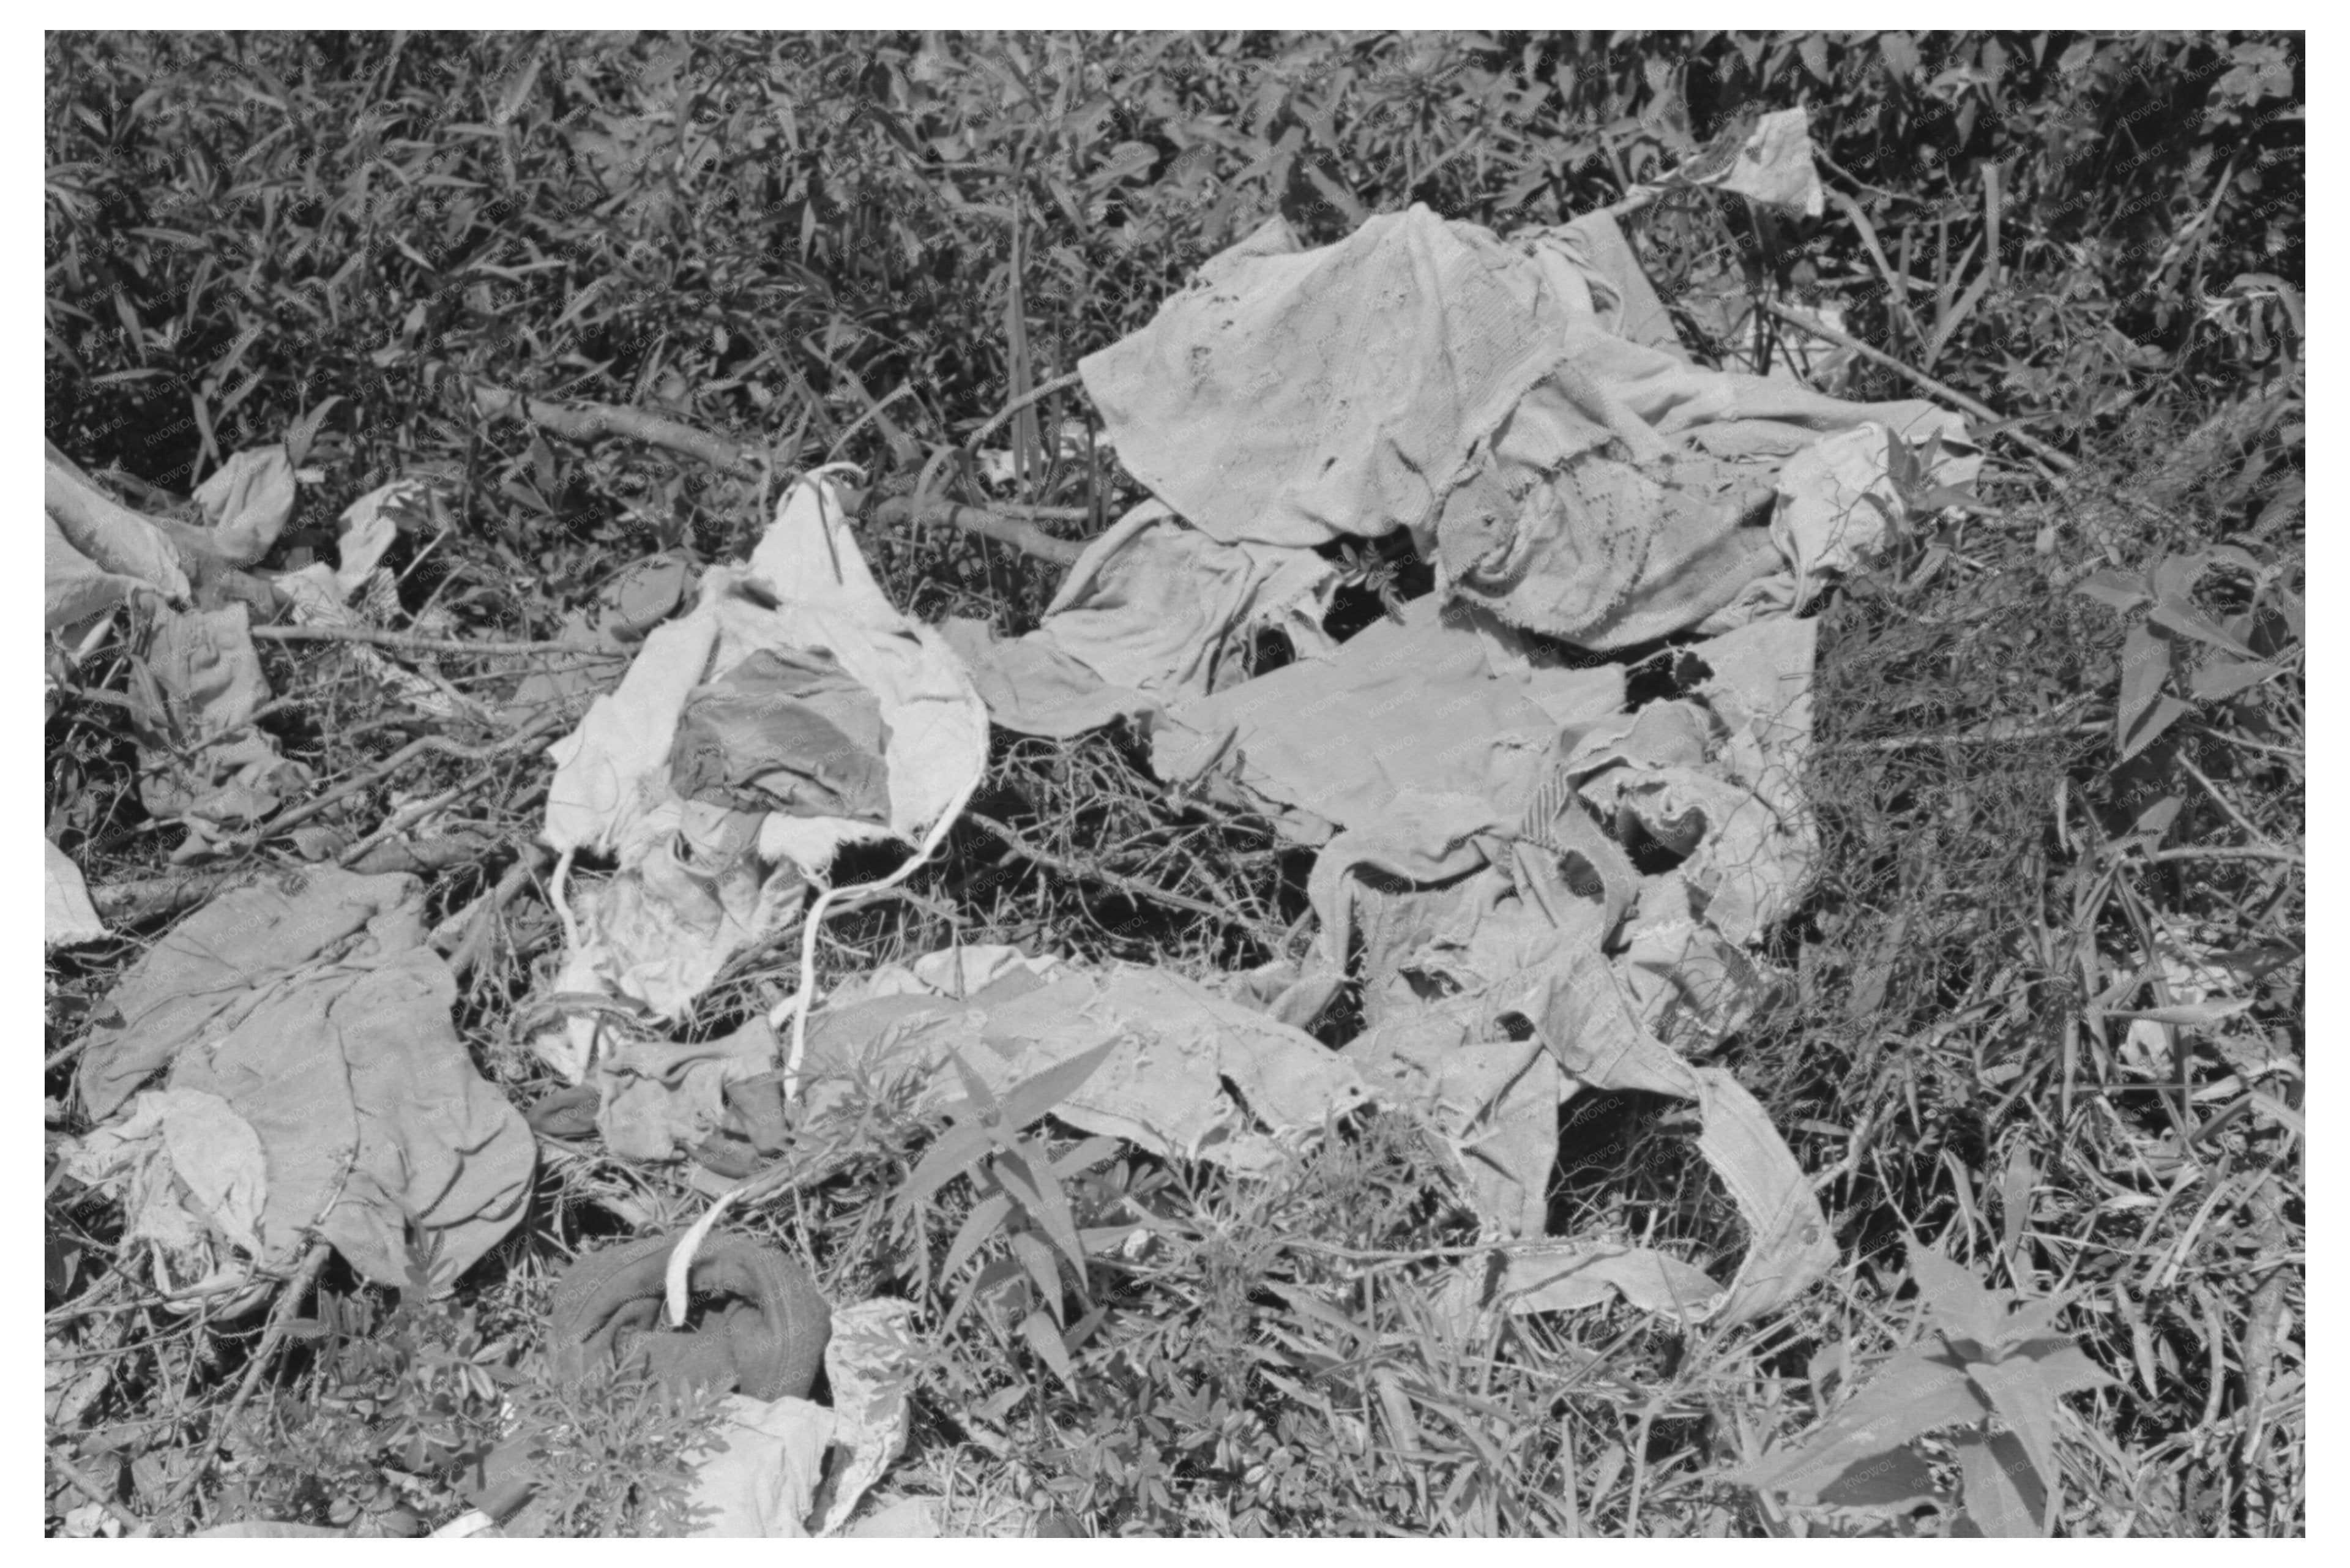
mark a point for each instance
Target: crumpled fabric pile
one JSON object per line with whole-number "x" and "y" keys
{"x": 203, "y": 762}
{"x": 1177, "y": 1069}
{"x": 1543, "y": 888}
{"x": 1544, "y": 885}
{"x": 284, "y": 1061}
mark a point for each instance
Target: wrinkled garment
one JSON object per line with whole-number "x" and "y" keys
{"x": 1434, "y": 709}
{"x": 1186, "y": 1074}
{"x": 1520, "y": 410}
{"x": 1152, "y": 613}
{"x": 786, "y": 730}
{"x": 315, "y": 1082}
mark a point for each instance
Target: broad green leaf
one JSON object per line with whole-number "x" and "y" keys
{"x": 2190, "y": 1015}
{"x": 2024, "y": 1401}
{"x": 2004, "y": 1497}
{"x": 2219, "y": 679}
{"x": 1045, "y": 1339}
{"x": 2122, "y": 590}
{"x": 1086, "y": 1155}
{"x": 2174, "y": 577}
{"x": 1401, "y": 1427}
{"x": 2064, "y": 1367}
{"x": 2026, "y": 1323}
{"x": 2177, "y": 615}
{"x": 978, "y": 1096}
{"x": 1037, "y": 1259}
{"x": 2139, "y": 712}
{"x": 1911, "y": 1394}
{"x": 1893, "y": 1483}
{"x": 1961, "y": 1308}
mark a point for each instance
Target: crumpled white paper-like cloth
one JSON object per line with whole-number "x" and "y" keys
{"x": 313, "y": 1083}
{"x": 1189, "y": 1073}
{"x": 1152, "y": 614}
{"x": 763, "y": 1482}
{"x": 695, "y": 882}
{"x": 1517, "y": 408}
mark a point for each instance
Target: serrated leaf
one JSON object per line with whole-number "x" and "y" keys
{"x": 2004, "y": 1497}
{"x": 1911, "y": 1394}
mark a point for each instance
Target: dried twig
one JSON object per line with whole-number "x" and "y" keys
{"x": 1949, "y": 394}
{"x": 81, "y": 1482}
{"x": 1034, "y": 396}
{"x": 590, "y": 422}
{"x": 293, "y": 816}
{"x": 1024, "y": 537}
{"x": 411, "y": 642}
{"x": 1101, "y": 874}
{"x": 480, "y": 922}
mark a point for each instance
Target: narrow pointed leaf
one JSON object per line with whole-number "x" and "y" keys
{"x": 983, "y": 1222}
{"x": 1037, "y": 1259}
{"x": 956, "y": 1151}
{"x": 1045, "y": 1339}
{"x": 1040, "y": 1094}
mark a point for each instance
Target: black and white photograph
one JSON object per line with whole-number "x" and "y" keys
{"x": 1089, "y": 783}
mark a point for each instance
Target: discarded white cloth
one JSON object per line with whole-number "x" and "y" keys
{"x": 67, "y": 915}
{"x": 1152, "y": 613}
{"x": 1174, "y": 1047}
{"x": 1423, "y": 375}
{"x": 315, "y": 1082}
{"x": 697, "y": 881}
{"x": 778, "y": 1457}
{"x": 1443, "y": 708}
